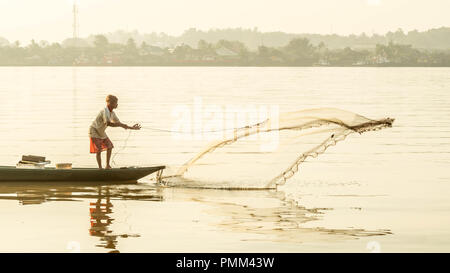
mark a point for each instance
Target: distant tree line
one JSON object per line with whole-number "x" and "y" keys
{"x": 438, "y": 38}
{"x": 296, "y": 52}
{"x": 431, "y": 39}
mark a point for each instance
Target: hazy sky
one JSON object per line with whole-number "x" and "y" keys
{"x": 52, "y": 19}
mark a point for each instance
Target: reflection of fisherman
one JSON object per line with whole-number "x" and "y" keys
{"x": 100, "y": 220}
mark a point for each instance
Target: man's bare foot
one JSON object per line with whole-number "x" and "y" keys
{"x": 108, "y": 167}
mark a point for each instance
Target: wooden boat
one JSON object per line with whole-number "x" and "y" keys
{"x": 128, "y": 174}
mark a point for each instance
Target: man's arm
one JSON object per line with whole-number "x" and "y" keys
{"x": 124, "y": 126}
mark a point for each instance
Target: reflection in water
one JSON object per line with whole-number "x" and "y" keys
{"x": 264, "y": 215}
{"x": 100, "y": 211}
{"x": 100, "y": 220}
{"x": 275, "y": 217}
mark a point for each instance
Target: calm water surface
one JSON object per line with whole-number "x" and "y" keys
{"x": 381, "y": 191}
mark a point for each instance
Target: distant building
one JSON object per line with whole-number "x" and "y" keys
{"x": 34, "y": 60}
{"x": 323, "y": 62}
{"x": 81, "y": 60}
{"x": 112, "y": 58}
{"x": 381, "y": 60}
{"x": 208, "y": 58}
{"x": 227, "y": 54}
{"x": 359, "y": 63}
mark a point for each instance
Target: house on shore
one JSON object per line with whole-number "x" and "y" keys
{"x": 226, "y": 54}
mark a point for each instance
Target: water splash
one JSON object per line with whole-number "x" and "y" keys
{"x": 334, "y": 124}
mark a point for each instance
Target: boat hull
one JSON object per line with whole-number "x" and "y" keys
{"x": 12, "y": 174}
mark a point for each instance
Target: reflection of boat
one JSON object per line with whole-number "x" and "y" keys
{"x": 30, "y": 193}
{"x": 76, "y": 174}
{"x": 100, "y": 196}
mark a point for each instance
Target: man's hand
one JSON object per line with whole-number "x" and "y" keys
{"x": 137, "y": 126}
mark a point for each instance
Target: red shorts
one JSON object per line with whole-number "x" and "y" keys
{"x": 98, "y": 144}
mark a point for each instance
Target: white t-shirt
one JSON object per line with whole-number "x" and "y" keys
{"x": 98, "y": 126}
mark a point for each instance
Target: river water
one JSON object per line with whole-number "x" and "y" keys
{"x": 382, "y": 191}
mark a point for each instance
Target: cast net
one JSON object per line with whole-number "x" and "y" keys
{"x": 268, "y": 153}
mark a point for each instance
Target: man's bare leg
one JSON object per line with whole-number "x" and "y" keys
{"x": 99, "y": 159}
{"x": 108, "y": 158}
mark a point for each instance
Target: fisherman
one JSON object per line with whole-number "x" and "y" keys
{"x": 99, "y": 140}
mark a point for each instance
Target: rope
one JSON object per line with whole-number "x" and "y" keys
{"x": 172, "y": 131}
{"x": 123, "y": 147}
{"x": 210, "y": 131}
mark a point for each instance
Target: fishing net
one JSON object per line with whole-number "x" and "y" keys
{"x": 269, "y": 153}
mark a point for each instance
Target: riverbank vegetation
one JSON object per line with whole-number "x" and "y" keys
{"x": 98, "y": 50}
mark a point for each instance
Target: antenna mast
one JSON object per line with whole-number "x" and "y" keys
{"x": 75, "y": 20}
